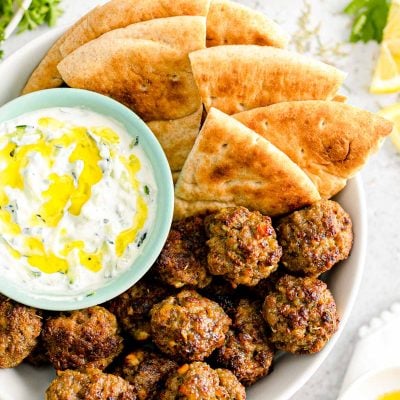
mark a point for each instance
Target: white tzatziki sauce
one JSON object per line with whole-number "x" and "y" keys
{"x": 77, "y": 200}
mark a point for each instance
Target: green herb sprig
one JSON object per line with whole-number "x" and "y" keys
{"x": 370, "y": 17}
{"x": 40, "y": 12}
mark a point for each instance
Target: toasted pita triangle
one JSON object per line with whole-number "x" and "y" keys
{"x": 232, "y": 165}
{"x": 112, "y": 15}
{"x": 330, "y": 141}
{"x": 242, "y": 77}
{"x": 145, "y": 66}
{"x": 232, "y": 23}
{"x": 177, "y": 137}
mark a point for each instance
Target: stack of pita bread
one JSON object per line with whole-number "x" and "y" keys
{"x": 242, "y": 120}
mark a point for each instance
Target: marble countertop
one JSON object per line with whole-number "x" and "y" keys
{"x": 322, "y": 32}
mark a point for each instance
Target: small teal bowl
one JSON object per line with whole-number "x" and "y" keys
{"x": 165, "y": 200}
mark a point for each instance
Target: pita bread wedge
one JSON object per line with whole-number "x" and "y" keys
{"x": 131, "y": 65}
{"x": 232, "y": 165}
{"x": 241, "y": 77}
{"x": 330, "y": 141}
{"x": 112, "y": 15}
{"x": 177, "y": 137}
{"x": 232, "y": 23}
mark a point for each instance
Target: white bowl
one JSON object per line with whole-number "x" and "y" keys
{"x": 290, "y": 373}
{"x": 374, "y": 384}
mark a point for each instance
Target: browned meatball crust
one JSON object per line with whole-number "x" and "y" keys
{"x": 147, "y": 372}
{"x": 302, "y": 314}
{"x": 80, "y": 338}
{"x": 198, "y": 381}
{"x": 242, "y": 246}
{"x": 315, "y": 238}
{"x": 246, "y": 351}
{"x": 20, "y": 328}
{"x": 132, "y": 307}
{"x": 91, "y": 384}
{"x": 188, "y": 326}
{"x": 183, "y": 260}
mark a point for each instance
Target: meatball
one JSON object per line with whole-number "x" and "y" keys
{"x": 132, "y": 307}
{"x": 147, "y": 372}
{"x": 315, "y": 238}
{"x": 247, "y": 352}
{"x": 301, "y": 313}
{"x": 183, "y": 260}
{"x": 91, "y": 384}
{"x": 242, "y": 246}
{"x": 188, "y": 326}
{"x": 20, "y": 328}
{"x": 198, "y": 381}
{"x": 82, "y": 338}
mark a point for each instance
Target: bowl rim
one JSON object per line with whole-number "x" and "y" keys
{"x": 158, "y": 232}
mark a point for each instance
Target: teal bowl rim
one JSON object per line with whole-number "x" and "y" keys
{"x": 66, "y": 97}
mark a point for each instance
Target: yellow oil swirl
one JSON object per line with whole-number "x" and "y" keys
{"x": 57, "y": 195}
{"x": 92, "y": 261}
{"x": 65, "y": 193}
{"x": 87, "y": 151}
{"x": 390, "y": 396}
{"x": 46, "y": 262}
{"x": 128, "y": 236}
{"x": 107, "y": 134}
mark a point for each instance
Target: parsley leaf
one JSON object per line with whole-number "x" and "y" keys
{"x": 370, "y": 17}
{"x": 39, "y": 12}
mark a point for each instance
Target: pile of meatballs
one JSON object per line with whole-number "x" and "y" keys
{"x": 228, "y": 291}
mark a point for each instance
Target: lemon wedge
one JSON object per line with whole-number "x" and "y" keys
{"x": 392, "y": 113}
{"x": 386, "y": 78}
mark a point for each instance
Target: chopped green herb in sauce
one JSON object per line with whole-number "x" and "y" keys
{"x": 134, "y": 142}
{"x": 142, "y": 239}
